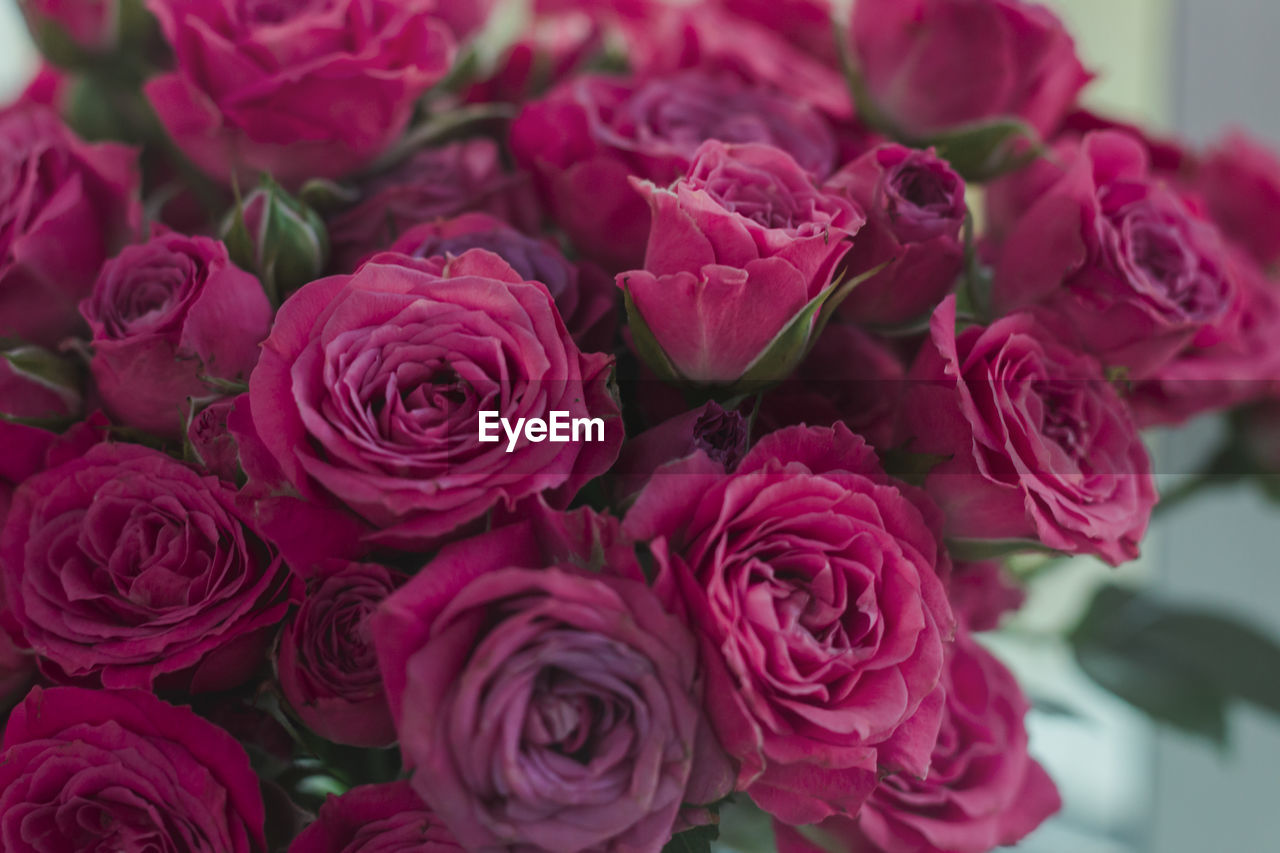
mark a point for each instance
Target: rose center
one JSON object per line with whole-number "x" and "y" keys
{"x": 565, "y": 717}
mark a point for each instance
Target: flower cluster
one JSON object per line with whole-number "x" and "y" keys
{"x": 255, "y": 545}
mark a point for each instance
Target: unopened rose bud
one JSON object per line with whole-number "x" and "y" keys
{"x": 278, "y": 237}
{"x": 82, "y": 33}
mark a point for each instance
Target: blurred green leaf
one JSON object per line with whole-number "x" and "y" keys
{"x": 696, "y": 840}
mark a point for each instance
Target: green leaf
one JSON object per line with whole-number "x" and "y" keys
{"x": 908, "y": 466}
{"x": 646, "y": 343}
{"x": 696, "y": 840}
{"x": 985, "y": 150}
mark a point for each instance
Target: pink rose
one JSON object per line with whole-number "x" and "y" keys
{"x": 170, "y": 317}
{"x": 586, "y": 139}
{"x": 111, "y": 770}
{"x": 1116, "y": 259}
{"x": 584, "y": 295}
{"x": 67, "y": 208}
{"x": 211, "y": 443}
{"x": 544, "y": 704}
{"x": 387, "y": 818}
{"x": 294, "y": 89}
{"x": 369, "y": 390}
{"x": 983, "y": 790}
{"x": 932, "y": 66}
{"x": 1036, "y": 445}
{"x": 553, "y": 46}
{"x": 170, "y": 589}
{"x": 813, "y": 581}
{"x": 1239, "y": 179}
{"x": 738, "y": 248}
{"x": 721, "y": 435}
{"x": 915, "y": 210}
{"x": 434, "y": 183}
{"x": 325, "y": 661}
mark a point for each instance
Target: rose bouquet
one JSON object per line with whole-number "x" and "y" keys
{"x": 572, "y": 426}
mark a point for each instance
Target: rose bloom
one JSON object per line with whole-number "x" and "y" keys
{"x": 584, "y": 295}
{"x": 1117, "y": 259}
{"x": 813, "y": 581}
{"x": 368, "y": 392}
{"x": 102, "y": 771}
{"x": 545, "y": 696}
{"x": 434, "y": 183}
{"x": 983, "y": 790}
{"x": 915, "y": 208}
{"x": 1036, "y": 445}
{"x": 1239, "y": 180}
{"x": 737, "y": 248}
{"x": 387, "y": 818}
{"x": 296, "y": 89}
{"x": 585, "y": 140}
{"x": 65, "y": 206}
{"x": 936, "y": 65}
{"x": 168, "y": 316}
{"x": 126, "y": 568}
{"x": 325, "y": 661}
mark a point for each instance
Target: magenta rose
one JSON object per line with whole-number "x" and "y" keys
{"x": 171, "y": 317}
{"x": 296, "y": 89}
{"x": 585, "y": 140}
{"x": 1239, "y": 180}
{"x": 543, "y": 703}
{"x": 434, "y": 183}
{"x": 584, "y": 295}
{"x": 1036, "y": 445}
{"x": 1113, "y": 257}
{"x": 387, "y": 818}
{"x": 102, "y": 771}
{"x": 915, "y": 210}
{"x": 369, "y": 391}
{"x": 66, "y": 208}
{"x": 933, "y": 66}
{"x": 325, "y": 661}
{"x": 126, "y": 568}
{"x": 983, "y": 790}
{"x": 210, "y": 442}
{"x": 738, "y": 248}
{"x": 813, "y": 581}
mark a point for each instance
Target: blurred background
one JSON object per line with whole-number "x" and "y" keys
{"x": 1194, "y": 68}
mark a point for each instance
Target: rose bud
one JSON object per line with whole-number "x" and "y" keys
{"x": 278, "y": 238}
{"x": 1107, "y": 254}
{"x": 584, "y": 295}
{"x": 1038, "y": 448}
{"x": 172, "y": 590}
{"x": 387, "y": 818}
{"x": 210, "y": 443}
{"x": 939, "y": 70}
{"x": 77, "y": 34}
{"x": 983, "y": 790}
{"x": 590, "y": 135}
{"x": 325, "y": 661}
{"x": 171, "y": 318}
{"x": 70, "y": 206}
{"x": 741, "y": 249}
{"x": 1239, "y": 180}
{"x": 111, "y": 770}
{"x": 814, "y": 582}
{"x": 295, "y": 90}
{"x": 435, "y": 183}
{"x": 915, "y": 210}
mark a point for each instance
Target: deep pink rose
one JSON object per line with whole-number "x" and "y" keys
{"x": 553, "y": 46}
{"x": 66, "y": 206}
{"x": 849, "y": 376}
{"x": 721, "y": 435}
{"x": 103, "y": 771}
{"x": 434, "y": 183}
{"x": 585, "y": 296}
{"x": 325, "y": 660}
{"x": 369, "y": 389}
{"x": 737, "y": 248}
{"x": 586, "y": 139}
{"x": 983, "y": 790}
{"x": 169, "y": 317}
{"x": 211, "y": 443}
{"x": 1118, "y": 260}
{"x": 294, "y": 88}
{"x": 915, "y": 210}
{"x": 1036, "y": 445}
{"x": 983, "y": 593}
{"x": 387, "y": 818}
{"x": 124, "y": 567}
{"x": 813, "y": 581}
{"x": 1239, "y": 180}
{"x": 544, "y": 704}
{"x": 807, "y": 24}
{"x": 931, "y": 66}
